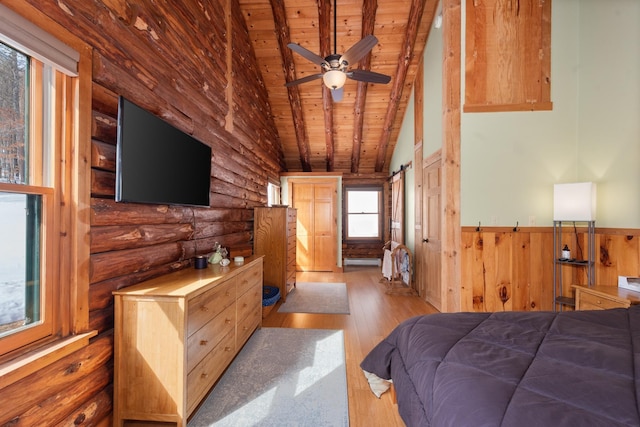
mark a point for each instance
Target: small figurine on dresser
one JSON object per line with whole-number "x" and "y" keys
{"x": 220, "y": 256}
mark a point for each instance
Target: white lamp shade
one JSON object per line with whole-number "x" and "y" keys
{"x": 334, "y": 79}
{"x": 574, "y": 201}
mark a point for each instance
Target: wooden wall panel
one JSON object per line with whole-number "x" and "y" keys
{"x": 505, "y": 270}
{"x": 540, "y": 273}
{"x": 520, "y": 291}
{"x": 617, "y": 255}
{"x": 171, "y": 59}
{"x": 508, "y": 55}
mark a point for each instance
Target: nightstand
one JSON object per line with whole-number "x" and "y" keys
{"x": 604, "y": 297}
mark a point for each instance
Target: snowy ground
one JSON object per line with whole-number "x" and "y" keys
{"x": 12, "y": 257}
{"x": 11, "y": 302}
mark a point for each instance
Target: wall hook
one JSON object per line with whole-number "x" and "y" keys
{"x": 478, "y": 227}
{"x": 516, "y": 227}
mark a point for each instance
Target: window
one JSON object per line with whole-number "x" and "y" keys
{"x": 26, "y": 197}
{"x": 43, "y": 205}
{"x": 363, "y": 206}
{"x": 273, "y": 194}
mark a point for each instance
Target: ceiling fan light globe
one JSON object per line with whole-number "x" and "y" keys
{"x": 334, "y": 79}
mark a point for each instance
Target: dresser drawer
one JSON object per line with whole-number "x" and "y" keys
{"x": 291, "y": 246}
{"x": 209, "y": 336}
{"x": 588, "y": 301}
{"x": 207, "y": 372}
{"x": 247, "y": 325}
{"x": 248, "y": 278}
{"x": 208, "y": 305}
{"x": 250, "y": 301}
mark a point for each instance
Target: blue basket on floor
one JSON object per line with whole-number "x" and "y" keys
{"x": 270, "y": 295}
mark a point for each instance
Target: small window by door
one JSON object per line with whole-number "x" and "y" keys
{"x": 363, "y": 207}
{"x": 273, "y": 194}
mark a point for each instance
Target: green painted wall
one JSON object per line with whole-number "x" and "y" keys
{"x": 510, "y": 161}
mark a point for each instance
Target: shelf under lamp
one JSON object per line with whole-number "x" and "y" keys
{"x": 574, "y": 201}
{"x": 334, "y": 79}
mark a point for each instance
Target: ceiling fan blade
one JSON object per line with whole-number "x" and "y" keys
{"x": 307, "y": 54}
{"x": 304, "y": 80}
{"x": 368, "y": 76}
{"x": 359, "y": 50}
{"x": 336, "y": 94}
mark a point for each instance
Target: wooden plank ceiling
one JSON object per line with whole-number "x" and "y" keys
{"x": 359, "y": 133}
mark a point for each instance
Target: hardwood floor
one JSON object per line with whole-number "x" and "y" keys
{"x": 373, "y": 315}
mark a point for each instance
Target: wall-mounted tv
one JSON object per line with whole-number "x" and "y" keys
{"x": 157, "y": 163}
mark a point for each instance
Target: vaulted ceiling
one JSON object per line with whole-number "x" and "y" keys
{"x": 359, "y": 133}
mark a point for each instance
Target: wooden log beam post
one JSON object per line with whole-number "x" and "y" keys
{"x": 324, "y": 28}
{"x": 415, "y": 16}
{"x": 451, "y": 232}
{"x": 369, "y": 8}
{"x": 282, "y": 33}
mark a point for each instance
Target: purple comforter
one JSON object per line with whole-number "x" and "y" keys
{"x": 578, "y": 368}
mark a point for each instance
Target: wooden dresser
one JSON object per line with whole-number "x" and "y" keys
{"x": 604, "y": 297}
{"x": 274, "y": 236}
{"x": 176, "y": 334}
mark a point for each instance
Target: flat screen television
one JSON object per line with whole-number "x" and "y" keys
{"x": 158, "y": 163}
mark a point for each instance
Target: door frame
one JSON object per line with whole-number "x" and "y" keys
{"x": 320, "y": 178}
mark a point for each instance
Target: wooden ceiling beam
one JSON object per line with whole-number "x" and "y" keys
{"x": 284, "y": 38}
{"x": 404, "y": 60}
{"x": 369, "y": 8}
{"x": 324, "y": 30}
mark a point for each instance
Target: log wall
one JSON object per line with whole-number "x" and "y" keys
{"x": 171, "y": 58}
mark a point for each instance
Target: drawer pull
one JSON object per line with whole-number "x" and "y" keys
{"x": 204, "y": 342}
{"x": 204, "y": 308}
{"x": 244, "y": 305}
{"x": 598, "y": 301}
{"x": 227, "y": 294}
{"x": 204, "y": 375}
{"x": 227, "y": 349}
{"x": 227, "y": 321}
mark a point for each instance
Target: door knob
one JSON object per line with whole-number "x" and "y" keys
{"x": 425, "y": 240}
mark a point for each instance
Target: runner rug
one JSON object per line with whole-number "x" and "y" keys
{"x": 282, "y": 377}
{"x": 317, "y": 297}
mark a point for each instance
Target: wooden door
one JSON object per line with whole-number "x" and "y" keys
{"x": 317, "y": 245}
{"x": 431, "y": 236}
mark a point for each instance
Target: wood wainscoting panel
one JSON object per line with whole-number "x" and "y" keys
{"x": 507, "y": 270}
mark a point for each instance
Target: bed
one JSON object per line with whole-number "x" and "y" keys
{"x": 574, "y": 368}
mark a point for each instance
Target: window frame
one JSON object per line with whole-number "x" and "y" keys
{"x": 380, "y": 190}
{"x": 68, "y": 214}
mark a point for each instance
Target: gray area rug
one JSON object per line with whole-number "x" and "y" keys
{"x": 317, "y": 297}
{"x": 282, "y": 377}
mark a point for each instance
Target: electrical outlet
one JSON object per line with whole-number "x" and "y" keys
{"x": 532, "y": 220}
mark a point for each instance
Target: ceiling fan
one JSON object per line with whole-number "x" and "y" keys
{"x": 335, "y": 67}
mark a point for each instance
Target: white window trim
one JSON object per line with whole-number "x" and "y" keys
{"x": 380, "y": 190}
